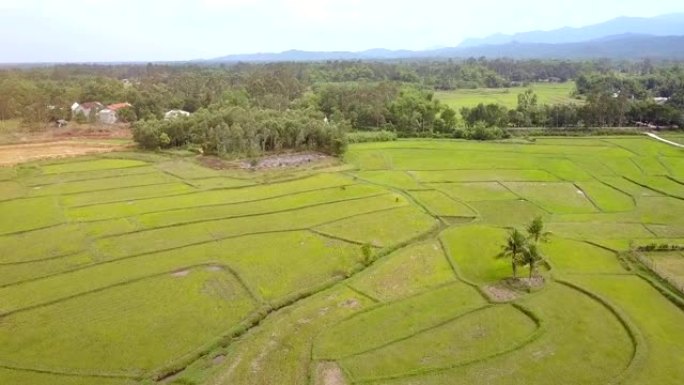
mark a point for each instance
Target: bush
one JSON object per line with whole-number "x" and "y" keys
{"x": 371, "y": 136}
{"x": 480, "y": 131}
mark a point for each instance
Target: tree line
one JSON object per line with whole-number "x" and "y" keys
{"x": 396, "y": 96}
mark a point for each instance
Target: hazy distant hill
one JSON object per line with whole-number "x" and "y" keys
{"x": 666, "y": 25}
{"x": 624, "y": 46}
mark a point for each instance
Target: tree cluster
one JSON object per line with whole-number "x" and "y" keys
{"x": 523, "y": 250}
{"x": 230, "y": 130}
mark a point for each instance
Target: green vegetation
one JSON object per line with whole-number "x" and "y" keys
{"x": 396, "y": 268}
{"x": 548, "y": 93}
{"x": 371, "y": 136}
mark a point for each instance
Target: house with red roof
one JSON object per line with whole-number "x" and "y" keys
{"x": 109, "y": 115}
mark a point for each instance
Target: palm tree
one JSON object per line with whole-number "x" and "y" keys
{"x": 536, "y": 230}
{"x": 530, "y": 256}
{"x": 513, "y": 249}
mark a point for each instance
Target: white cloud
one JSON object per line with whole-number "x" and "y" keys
{"x": 228, "y": 3}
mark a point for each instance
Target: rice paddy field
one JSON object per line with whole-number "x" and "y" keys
{"x": 547, "y": 93}
{"x": 140, "y": 268}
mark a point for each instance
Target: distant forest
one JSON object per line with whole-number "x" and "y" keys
{"x": 250, "y": 108}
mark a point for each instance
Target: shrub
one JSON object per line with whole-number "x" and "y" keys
{"x": 371, "y": 136}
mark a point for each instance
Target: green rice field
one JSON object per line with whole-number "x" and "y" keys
{"x": 140, "y": 269}
{"x": 547, "y": 93}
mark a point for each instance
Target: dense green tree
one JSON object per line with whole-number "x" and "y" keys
{"x": 531, "y": 256}
{"x": 513, "y": 249}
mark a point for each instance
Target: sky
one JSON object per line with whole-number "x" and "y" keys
{"x": 169, "y": 30}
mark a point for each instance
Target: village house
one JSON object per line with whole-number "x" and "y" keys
{"x": 174, "y": 114}
{"x": 109, "y": 114}
{"x": 86, "y": 109}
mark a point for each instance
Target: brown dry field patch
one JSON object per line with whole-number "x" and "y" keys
{"x": 12, "y": 154}
{"x": 20, "y": 147}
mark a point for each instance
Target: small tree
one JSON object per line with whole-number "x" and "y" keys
{"x": 536, "y": 232}
{"x": 513, "y": 249}
{"x": 531, "y": 256}
{"x": 367, "y": 252}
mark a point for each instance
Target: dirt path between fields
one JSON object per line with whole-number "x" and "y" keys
{"x": 12, "y": 154}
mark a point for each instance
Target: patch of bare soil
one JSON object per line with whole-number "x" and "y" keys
{"x": 218, "y": 359}
{"x": 500, "y": 293}
{"x": 72, "y": 132}
{"x": 286, "y": 160}
{"x": 511, "y": 289}
{"x": 329, "y": 373}
{"x": 266, "y": 163}
{"x": 180, "y": 274}
{"x": 19, "y": 153}
{"x": 350, "y": 304}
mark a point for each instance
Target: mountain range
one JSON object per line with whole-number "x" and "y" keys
{"x": 660, "y": 37}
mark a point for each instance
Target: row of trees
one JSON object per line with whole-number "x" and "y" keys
{"x": 598, "y": 110}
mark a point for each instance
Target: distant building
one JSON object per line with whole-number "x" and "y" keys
{"x": 109, "y": 114}
{"x": 86, "y": 108}
{"x": 175, "y": 114}
{"x": 660, "y": 100}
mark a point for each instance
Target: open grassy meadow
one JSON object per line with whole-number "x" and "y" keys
{"x": 140, "y": 268}
{"x": 547, "y": 93}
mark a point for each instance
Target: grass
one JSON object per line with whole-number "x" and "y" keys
{"x": 127, "y": 194}
{"x": 9, "y": 126}
{"x": 13, "y": 376}
{"x": 138, "y": 265}
{"x": 572, "y": 339}
{"x": 406, "y": 272}
{"x": 394, "y": 179}
{"x": 314, "y": 262}
{"x": 669, "y": 265}
{"x": 662, "y": 184}
{"x": 471, "y": 337}
{"x": 207, "y": 198}
{"x": 450, "y": 176}
{"x": 657, "y": 319}
{"x": 568, "y": 256}
{"x": 547, "y": 93}
{"x": 476, "y": 191}
{"x": 559, "y": 198}
{"x": 607, "y": 198}
{"x": 56, "y": 241}
{"x": 382, "y": 229}
{"x": 395, "y": 321}
{"x": 29, "y": 214}
{"x": 474, "y": 250}
{"x": 129, "y": 329}
{"x": 91, "y": 165}
{"x": 507, "y": 213}
{"x": 110, "y": 183}
{"x": 11, "y": 190}
{"x": 345, "y": 217}
{"x": 271, "y": 205}
{"x": 442, "y": 205}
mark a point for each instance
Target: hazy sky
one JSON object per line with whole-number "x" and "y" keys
{"x": 146, "y": 30}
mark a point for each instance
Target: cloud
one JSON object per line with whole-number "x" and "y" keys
{"x": 222, "y": 4}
